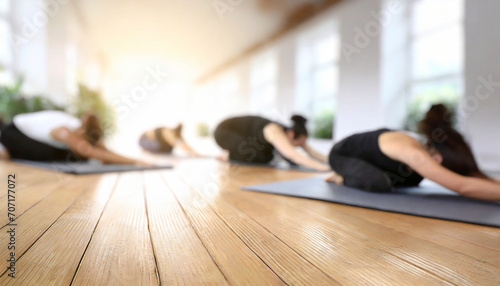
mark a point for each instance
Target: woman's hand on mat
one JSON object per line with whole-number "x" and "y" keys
{"x": 335, "y": 178}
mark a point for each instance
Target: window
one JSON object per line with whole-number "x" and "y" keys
{"x": 317, "y": 77}
{"x": 224, "y": 100}
{"x": 437, "y": 48}
{"x": 6, "y": 48}
{"x": 263, "y": 83}
{"x": 214, "y": 101}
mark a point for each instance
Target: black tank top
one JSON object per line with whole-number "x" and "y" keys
{"x": 365, "y": 146}
{"x": 250, "y": 127}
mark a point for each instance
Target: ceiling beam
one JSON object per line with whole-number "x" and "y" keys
{"x": 297, "y": 17}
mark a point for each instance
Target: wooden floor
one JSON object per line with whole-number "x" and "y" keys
{"x": 193, "y": 225}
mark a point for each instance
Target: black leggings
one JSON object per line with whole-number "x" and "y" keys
{"x": 253, "y": 149}
{"x": 358, "y": 173}
{"x": 21, "y": 146}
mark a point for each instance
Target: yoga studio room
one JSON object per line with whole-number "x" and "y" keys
{"x": 250, "y": 142}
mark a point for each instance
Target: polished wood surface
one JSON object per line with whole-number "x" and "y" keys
{"x": 193, "y": 225}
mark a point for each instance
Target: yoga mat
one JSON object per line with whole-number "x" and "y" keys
{"x": 280, "y": 166}
{"x": 90, "y": 167}
{"x": 428, "y": 201}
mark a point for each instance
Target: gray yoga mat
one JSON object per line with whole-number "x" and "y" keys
{"x": 427, "y": 201}
{"x": 280, "y": 165}
{"x": 90, "y": 167}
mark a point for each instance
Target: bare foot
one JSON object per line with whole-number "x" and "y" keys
{"x": 335, "y": 178}
{"x": 224, "y": 157}
{"x": 4, "y": 154}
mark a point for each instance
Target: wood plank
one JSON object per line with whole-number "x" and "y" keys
{"x": 27, "y": 197}
{"x": 469, "y": 242}
{"x": 32, "y": 224}
{"x": 61, "y": 247}
{"x": 489, "y": 236}
{"x": 240, "y": 265}
{"x": 200, "y": 228}
{"x": 181, "y": 256}
{"x": 120, "y": 252}
{"x": 449, "y": 265}
{"x": 26, "y": 176}
{"x": 482, "y": 236}
{"x": 335, "y": 250}
{"x": 292, "y": 268}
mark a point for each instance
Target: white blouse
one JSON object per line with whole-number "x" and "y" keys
{"x": 39, "y": 125}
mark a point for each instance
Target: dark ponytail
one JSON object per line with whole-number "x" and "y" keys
{"x": 299, "y": 126}
{"x": 437, "y": 126}
{"x": 93, "y": 128}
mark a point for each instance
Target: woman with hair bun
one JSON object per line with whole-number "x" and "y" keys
{"x": 163, "y": 140}
{"x": 253, "y": 139}
{"x": 380, "y": 160}
{"x": 57, "y": 136}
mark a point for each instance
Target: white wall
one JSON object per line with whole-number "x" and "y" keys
{"x": 482, "y": 102}
{"x": 359, "y": 102}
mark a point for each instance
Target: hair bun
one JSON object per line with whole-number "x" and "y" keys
{"x": 438, "y": 116}
{"x": 299, "y": 120}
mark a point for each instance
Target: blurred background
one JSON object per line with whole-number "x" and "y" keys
{"x": 347, "y": 65}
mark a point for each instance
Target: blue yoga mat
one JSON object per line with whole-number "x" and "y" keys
{"x": 427, "y": 201}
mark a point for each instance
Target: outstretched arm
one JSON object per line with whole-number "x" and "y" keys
{"x": 315, "y": 154}
{"x": 411, "y": 152}
{"x": 174, "y": 138}
{"x": 184, "y": 145}
{"x": 275, "y": 135}
{"x": 83, "y": 148}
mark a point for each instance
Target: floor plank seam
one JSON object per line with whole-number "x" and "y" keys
{"x": 425, "y": 239}
{"x": 423, "y": 269}
{"x": 466, "y": 241}
{"x": 149, "y": 229}
{"x": 471, "y": 242}
{"x": 194, "y": 229}
{"x": 93, "y": 230}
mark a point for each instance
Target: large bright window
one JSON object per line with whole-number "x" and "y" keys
{"x": 317, "y": 77}
{"x": 6, "y": 48}
{"x": 263, "y": 83}
{"x": 437, "y": 51}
